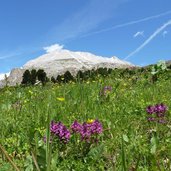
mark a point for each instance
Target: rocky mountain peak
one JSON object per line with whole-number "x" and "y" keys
{"x": 58, "y": 62}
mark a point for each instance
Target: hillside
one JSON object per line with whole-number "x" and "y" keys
{"x": 114, "y": 107}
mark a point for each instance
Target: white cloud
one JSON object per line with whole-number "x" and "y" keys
{"x": 52, "y": 48}
{"x": 164, "y": 33}
{"x": 2, "y": 75}
{"x": 139, "y": 33}
{"x": 160, "y": 29}
{"x": 129, "y": 23}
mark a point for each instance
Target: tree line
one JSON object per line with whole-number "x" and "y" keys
{"x": 31, "y": 77}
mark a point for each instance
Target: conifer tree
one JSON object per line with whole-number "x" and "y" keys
{"x": 26, "y": 77}
{"x": 68, "y": 77}
{"x": 53, "y": 80}
{"x": 41, "y": 75}
{"x": 33, "y": 76}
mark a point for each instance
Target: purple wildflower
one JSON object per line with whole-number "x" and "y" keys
{"x": 96, "y": 127}
{"x": 87, "y": 130}
{"x": 160, "y": 108}
{"x": 76, "y": 127}
{"x": 60, "y": 131}
{"x": 150, "y": 109}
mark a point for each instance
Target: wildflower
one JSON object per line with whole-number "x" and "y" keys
{"x": 150, "y": 109}
{"x": 96, "y": 127}
{"x": 88, "y": 130}
{"x": 76, "y": 127}
{"x": 159, "y": 111}
{"x": 160, "y": 108}
{"x": 85, "y": 132}
{"x": 61, "y": 99}
{"x": 90, "y": 121}
{"x": 60, "y": 131}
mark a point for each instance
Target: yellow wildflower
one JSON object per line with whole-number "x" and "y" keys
{"x": 61, "y": 99}
{"x": 89, "y": 121}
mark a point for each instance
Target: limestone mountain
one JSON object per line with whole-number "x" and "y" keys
{"x": 58, "y": 62}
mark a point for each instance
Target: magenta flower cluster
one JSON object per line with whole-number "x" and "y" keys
{"x": 87, "y": 131}
{"x": 157, "y": 112}
{"x": 60, "y": 130}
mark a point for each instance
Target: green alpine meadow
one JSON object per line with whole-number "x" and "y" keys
{"x": 117, "y": 121}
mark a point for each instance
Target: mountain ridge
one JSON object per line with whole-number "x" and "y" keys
{"x": 58, "y": 62}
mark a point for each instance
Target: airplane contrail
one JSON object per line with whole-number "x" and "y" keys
{"x": 149, "y": 39}
{"x": 128, "y": 23}
{"x": 9, "y": 55}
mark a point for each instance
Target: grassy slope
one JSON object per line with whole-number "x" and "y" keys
{"x": 24, "y": 110}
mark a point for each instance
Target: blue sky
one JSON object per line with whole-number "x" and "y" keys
{"x": 136, "y": 30}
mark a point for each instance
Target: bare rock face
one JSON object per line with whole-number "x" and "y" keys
{"x": 15, "y": 77}
{"x": 58, "y": 62}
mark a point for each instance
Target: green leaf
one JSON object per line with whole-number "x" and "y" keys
{"x": 153, "y": 144}
{"x": 96, "y": 152}
{"x": 125, "y": 138}
{"x": 28, "y": 164}
{"x": 29, "y": 168}
{"x": 54, "y": 161}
